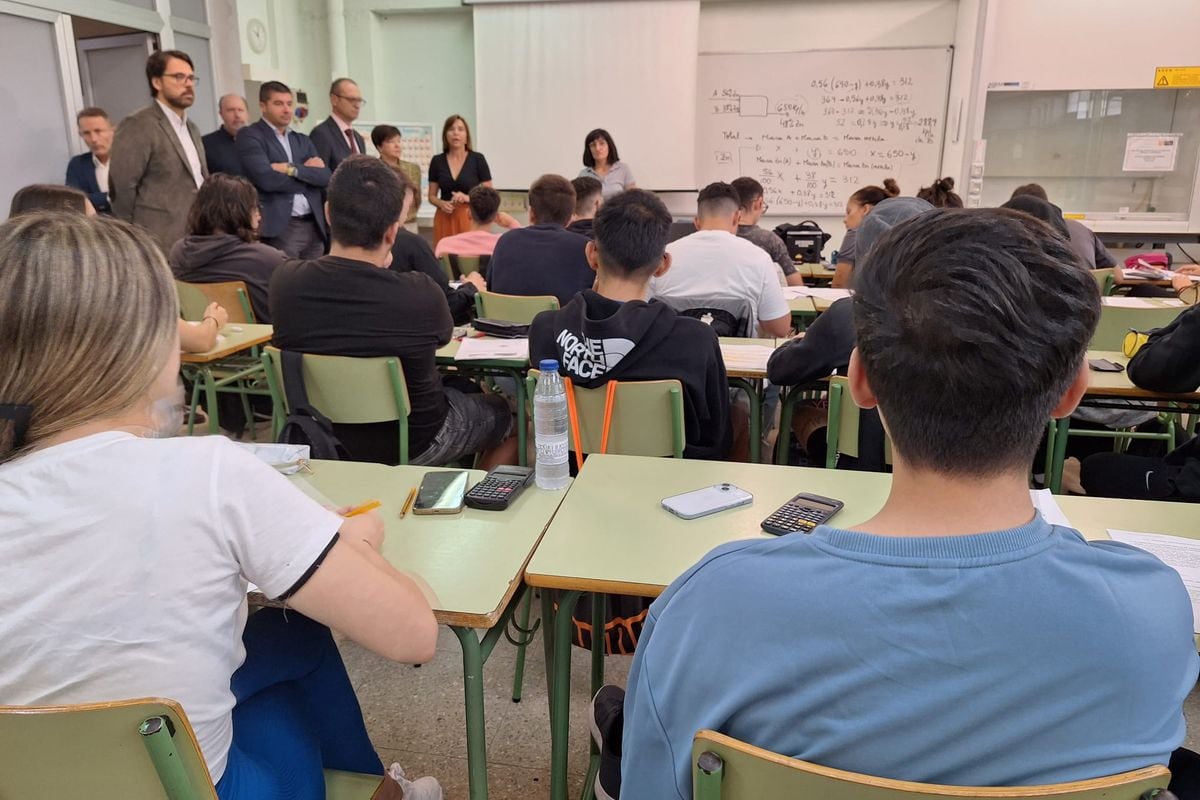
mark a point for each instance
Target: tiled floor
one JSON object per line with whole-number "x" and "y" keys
{"x": 415, "y": 716}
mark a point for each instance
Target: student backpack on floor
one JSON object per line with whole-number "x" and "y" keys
{"x": 304, "y": 424}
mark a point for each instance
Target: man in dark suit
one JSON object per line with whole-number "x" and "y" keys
{"x": 220, "y": 146}
{"x": 157, "y": 156}
{"x": 88, "y": 171}
{"x": 289, "y": 175}
{"x": 335, "y": 138}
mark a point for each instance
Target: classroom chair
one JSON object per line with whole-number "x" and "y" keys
{"x": 1116, "y": 321}
{"x": 723, "y": 767}
{"x": 142, "y": 749}
{"x": 512, "y": 307}
{"x": 233, "y": 296}
{"x": 455, "y": 266}
{"x": 346, "y": 390}
{"x": 842, "y": 432}
{"x": 1104, "y": 281}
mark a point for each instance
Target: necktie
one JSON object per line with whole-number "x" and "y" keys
{"x": 353, "y": 141}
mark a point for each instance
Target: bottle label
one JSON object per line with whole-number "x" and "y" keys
{"x": 552, "y": 452}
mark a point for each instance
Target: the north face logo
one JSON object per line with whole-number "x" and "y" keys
{"x": 590, "y": 358}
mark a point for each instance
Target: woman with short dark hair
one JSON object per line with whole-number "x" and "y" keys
{"x": 389, "y": 142}
{"x": 600, "y": 161}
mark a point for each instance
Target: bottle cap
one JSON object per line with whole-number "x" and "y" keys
{"x": 548, "y": 365}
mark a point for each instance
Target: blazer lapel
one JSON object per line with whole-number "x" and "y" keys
{"x": 169, "y": 132}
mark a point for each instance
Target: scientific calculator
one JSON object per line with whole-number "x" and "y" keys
{"x": 499, "y": 488}
{"x": 802, "y": 513}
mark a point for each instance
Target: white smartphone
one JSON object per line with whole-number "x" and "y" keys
{"x": 708, "y": 500}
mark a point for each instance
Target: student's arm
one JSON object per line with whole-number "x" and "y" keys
{"x": 774, "y": 315}
{"x": 203, "y": 337}
{"x": 1170, "y": 360}
{"x": 256, "y": 163}
{"x": 778, "y": 327}
{"x": 842, "y": 274}
{"x": 826, "y": 346}
{"x": 506, "y": 220}
{"x": 795, "y": 279}
{"x": 1104, "y": 259}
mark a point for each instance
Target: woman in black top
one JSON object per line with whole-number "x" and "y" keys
{"x": 452, "y": 175}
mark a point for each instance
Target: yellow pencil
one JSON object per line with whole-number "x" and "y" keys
{"x": 412, "y": 495}
{"x": 370, "y": 505}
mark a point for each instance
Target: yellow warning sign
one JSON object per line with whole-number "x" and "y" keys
{"x": 1177, "y": 78}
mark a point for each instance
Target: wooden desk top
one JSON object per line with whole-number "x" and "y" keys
{"x": 746, "y": 358}
{"x": 1117, "y": 384}
{"x": 230, "y": 341}
{"x": 469, "y": 564}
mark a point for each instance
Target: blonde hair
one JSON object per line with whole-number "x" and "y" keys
{"x": 87, "y": 315}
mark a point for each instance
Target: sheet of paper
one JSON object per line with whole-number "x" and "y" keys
{"x": 1043, "y": 501}
{"x": 1178, "y": 553}
{"x": 488, "y": 348}
{"x": 746, "y": 356}
{"x": 792, "y": 292}
{"x": 1150, "y": 152}
{"x": 1129, "y": 302}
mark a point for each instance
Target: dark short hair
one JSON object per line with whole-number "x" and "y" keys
{"x": 91, "y": 111}
{"x": 552, "y": 199}
{"x": 485, "y": 203}
{"x": 748, "y": 190}
{"x": 365, "y": 198}
{"x": 941, "y": 194}
{"x": 717, "y": 198}
{"x": 381, "y": 133}
{"x": 450, "y": 120}
{"x": 1044, "y": 210}
{"x": 873, "y": 195}
{"x": 971, "y": 325}
{"x": 224, "y": 204}
{"x": 1032, "y": 189}
{"x": 631, "y": 231}
{"x": 156, "y": 65}
{"x": 333, "y": 87}
{"x": 599, "y": 133}
{"x": 586, "y": 188}
{"x": 47, "y": 197}
{"x": 272, "y": 87}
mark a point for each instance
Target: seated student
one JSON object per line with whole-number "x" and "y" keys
{"x": 857, "y": 208}
{"x": 752, "y": 207}
{"x": 349, "y": 303}
{"x": 612, "y": 333}
{"x": 484, "y": 204}
{"x": 1029, "y": 655}
{"x": 941, "y": 194}
{"x": 127, "y": 555}
{"x": 714, "y": 264}
{"x": 1169, "y": 361}
{"x": 411, "y": 253}
{"x": 1084, "y": 242}
{"x": 589, "y": 195}
{"x": 222, "y": 241}
{"x": 544, "y": 258}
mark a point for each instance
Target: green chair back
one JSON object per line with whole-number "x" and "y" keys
{"x": 455, "y": 266}
{"x": 723, "y": 767}
{"x": 232, "y": 295}
{"x": 142, "y": 749}
{"x": 647, "y": 418}
{"x": 447, "y": 270}
{"x": 1104, "y": 280}
{"x": 347, "y": 390}
{"x": 842, "y": 433}
{"x": 1116, "y": 321}
{"x": 513, "y": 308}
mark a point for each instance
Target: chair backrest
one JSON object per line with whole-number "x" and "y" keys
{"x": 842, "y": 436}
{"x": 1116, "y": 321}
{"x": 512, "y": 307}
{"x": 98, "y": 751}
{"x": 723, "y": 767}
{"x": 647, "y": 418}
{"x": 348, "y": 390}
{"x": 455, "y": 266}
{"x": 447, "y": 270}
{"x": 1104, "y": 280}
{"x": 232, "y": 295}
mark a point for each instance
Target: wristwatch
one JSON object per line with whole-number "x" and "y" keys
{"x": 291, "y": 170}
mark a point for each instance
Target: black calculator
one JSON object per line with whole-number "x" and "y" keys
{"x": 802, "y": 513}
{"x": 499, "y": 488}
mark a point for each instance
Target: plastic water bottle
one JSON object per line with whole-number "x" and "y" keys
{"x": 551, "y": 470}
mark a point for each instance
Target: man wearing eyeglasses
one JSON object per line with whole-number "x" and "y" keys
{"x": 158, "y": 161}
{"x": 335, "y": 138}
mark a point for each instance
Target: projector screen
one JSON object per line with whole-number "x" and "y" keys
{"x": 546, "y": 74}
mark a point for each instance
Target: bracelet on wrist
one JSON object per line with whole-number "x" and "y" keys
{"x": 214, "y": 319}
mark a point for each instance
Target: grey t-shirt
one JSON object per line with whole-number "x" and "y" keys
{"x": 846, "y": 251}
{"x": 1087, "y": 246}
{"x": 768, "y": 241}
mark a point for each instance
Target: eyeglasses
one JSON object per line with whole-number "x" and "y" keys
{"x": 182, "y": 77}
{"x": 358, "y": 101}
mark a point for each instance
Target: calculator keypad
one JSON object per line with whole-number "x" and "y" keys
{"x": 495, "y": 491}
{"x": 796, "y": 516}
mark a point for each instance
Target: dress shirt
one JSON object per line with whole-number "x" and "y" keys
{"x": 179, "y": 125}
{"x": 300, "y": 206}
{"x": 101, "y": 174}
{"x": 345, "y": 128}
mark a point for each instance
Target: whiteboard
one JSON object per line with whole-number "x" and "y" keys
{"x": 813, "y": 127}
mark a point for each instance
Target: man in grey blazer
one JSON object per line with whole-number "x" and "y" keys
{"x": 157, "y": 161}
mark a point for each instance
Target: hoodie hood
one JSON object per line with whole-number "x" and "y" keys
{"x": 596, "y": 337}
{"x": 886, "y": 215}
{"x": 196, "y": 252}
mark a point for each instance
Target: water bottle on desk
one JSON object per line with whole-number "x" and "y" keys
{"x": 551, "y": 470}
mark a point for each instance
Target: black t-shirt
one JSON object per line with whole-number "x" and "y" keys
{"x": 540, "y": 260}
{"x": 341, "y": 307}
{"x": 411, "y": 253}
{"x": 474, "y": 172}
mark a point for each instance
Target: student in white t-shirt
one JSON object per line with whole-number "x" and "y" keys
{"x": 127, "y": 555}
{"x": 715, "y": 269}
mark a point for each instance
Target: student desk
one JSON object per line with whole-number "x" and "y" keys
{"x": 231, "y": 339}
{"x": 595, "y": 544}
{"x": 514, "y": 369}
{"x": 469, "y": 565}
{"x": 1119, "y": 278}
{"x": 746, "y": 368}
{"x": 816, "y": 273}
{"x": 1105, "y": 386}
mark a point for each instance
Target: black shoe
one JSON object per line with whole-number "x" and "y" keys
{"x": 606, "y": 718}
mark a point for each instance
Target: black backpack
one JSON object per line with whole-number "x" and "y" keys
{"x": 804, "y": 239}
{"x": 306, "y": 425}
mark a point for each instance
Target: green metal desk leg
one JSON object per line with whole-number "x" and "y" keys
{"x": 473, "y": 695}
{"x": 194, "y": 404}
{"x": 210, "y": 399}
{"x": 523, "y": 624}
{"x": 1062, "y": 426}
{"x": 560, "y": 697}
{"x": 787, "y": 407}
{"x": 522, "y": 423}
{"x": 548, "y": 643}
{"x": 599, "y": 606}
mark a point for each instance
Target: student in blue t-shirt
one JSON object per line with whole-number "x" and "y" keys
{"x": 955, "y": 637}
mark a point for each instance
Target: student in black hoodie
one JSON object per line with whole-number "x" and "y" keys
{"x": 611, "y": 332}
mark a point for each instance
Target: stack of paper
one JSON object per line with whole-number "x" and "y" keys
{"x": 1178, "y": 553}
{"x": 491, "y": 349}
{"x": 746, "y": 357}
{"x": 1129, "y": 302}
{"x": 1044, "y": 502}
{"x": 792, "y": 292}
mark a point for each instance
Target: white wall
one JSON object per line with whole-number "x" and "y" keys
{"x": 297, "y": 51}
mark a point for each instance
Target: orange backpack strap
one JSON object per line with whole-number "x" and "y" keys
{"x": 610, "y": 402}
{"x": 573, "y": 420}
